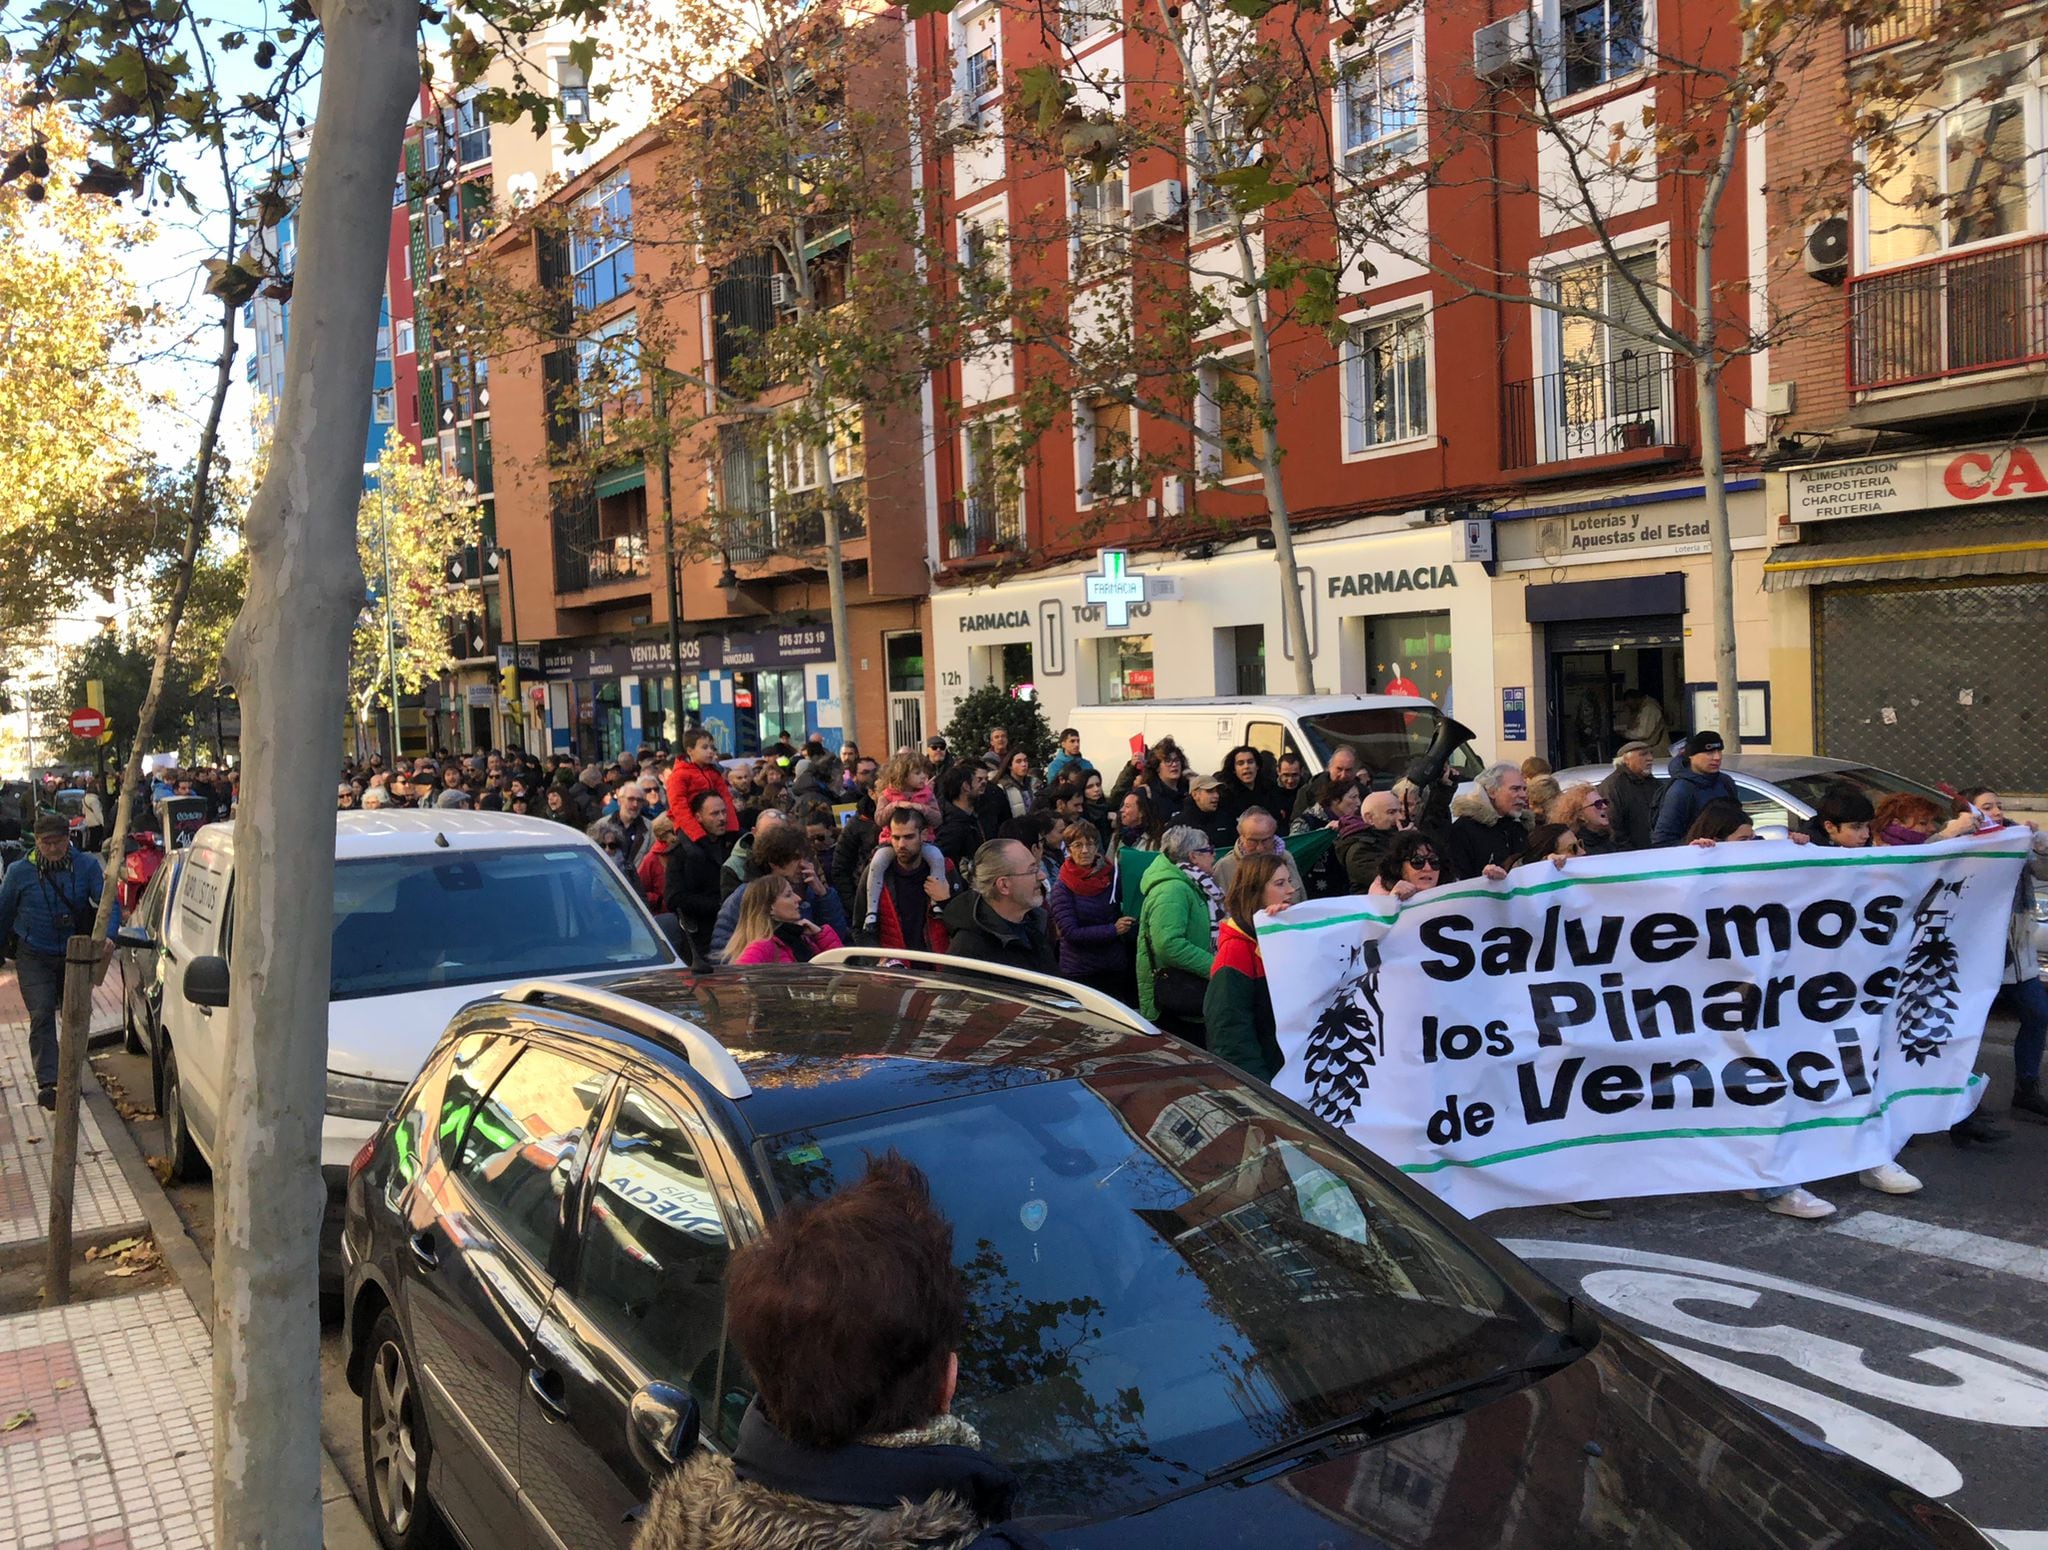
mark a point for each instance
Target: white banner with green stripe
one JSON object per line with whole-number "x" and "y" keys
{"x": 1657, "y": 1023}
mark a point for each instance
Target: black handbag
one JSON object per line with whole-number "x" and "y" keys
{"x": 1178, "y": 993}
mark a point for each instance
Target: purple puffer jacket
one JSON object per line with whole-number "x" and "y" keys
{"x": 1086, "y": 923}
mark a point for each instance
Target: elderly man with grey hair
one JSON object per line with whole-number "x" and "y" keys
{"x": 1486, "y": 822}
{"x": 1001, "y": 918}
{"x": 1258, "y": 834}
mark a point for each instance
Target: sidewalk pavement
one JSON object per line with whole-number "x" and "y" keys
{"x": 106, "y": 1005}
{"x": 106, "y": 1407}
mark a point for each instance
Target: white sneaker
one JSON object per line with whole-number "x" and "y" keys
{"x": 1802, "y": 1203}
{"x": 1889, "y": 1179}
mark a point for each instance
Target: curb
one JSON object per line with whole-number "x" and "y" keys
{"x": 342, "y": 1524}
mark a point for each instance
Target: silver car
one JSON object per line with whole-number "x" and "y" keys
{"x": 1780, "y": 791}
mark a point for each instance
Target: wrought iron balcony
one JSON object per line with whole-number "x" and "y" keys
{"x": 751, "y": 537}
{"x": 584, "y": 556}
{"x": 1962, "y": 313}
{"x": 1638, "y": 400}
{"x": 982, "y": 524}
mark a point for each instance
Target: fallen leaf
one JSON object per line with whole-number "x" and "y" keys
{"x": 17, "y": 1421}
{"x": 161, "y": 1167}
{"x": 62, "y": 1384}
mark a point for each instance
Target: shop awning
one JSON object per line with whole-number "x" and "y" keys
{"x": 619, "y": 481}
{"x": 2017, "y": 550}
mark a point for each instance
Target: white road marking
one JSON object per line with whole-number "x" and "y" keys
{"x": 2032, "y": 1358}
{"x": 1969, "y": 1248}
{"x": 1878, "y": 1443}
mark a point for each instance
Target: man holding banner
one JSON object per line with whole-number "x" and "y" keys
{"x": 1738, "y": 1018}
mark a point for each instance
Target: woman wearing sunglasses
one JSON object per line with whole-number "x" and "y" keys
{"x": 1588, "y": 814}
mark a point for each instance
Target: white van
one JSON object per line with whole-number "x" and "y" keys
{"x": 432, "y": 909}
{"x": 1388, "y": 732}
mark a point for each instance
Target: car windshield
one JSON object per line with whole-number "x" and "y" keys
{"x": 1386, "y": 740}
{"x": 457, "y": 918}
{"x": 1874, "y": 783}
{"x": 1169, "y": 1271}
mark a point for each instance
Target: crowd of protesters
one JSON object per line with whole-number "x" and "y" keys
{"x": 1143, "y": 884}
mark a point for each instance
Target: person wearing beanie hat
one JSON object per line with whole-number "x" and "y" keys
{"x": 1696, "y": 780}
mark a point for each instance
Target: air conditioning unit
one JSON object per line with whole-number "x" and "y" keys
{"x": 1505, "y": 50}
{"x": 782, "y": 292}
{"x": 1173, "y": 495}
{"x": 1826, "y": 253}
{"x": 957, "y": 114}
{"x": 1157, "y": 204}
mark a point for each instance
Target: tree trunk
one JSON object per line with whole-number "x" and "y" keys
{"x": 76, "y": 1029}
{"x": 1714, "y": 480}
{"x": 288, "y": 658}
{"x": 842, "y": 644}
{"x": 1293, "y": 617}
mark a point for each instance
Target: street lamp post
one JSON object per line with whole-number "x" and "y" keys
{"x": 509, "y": 606}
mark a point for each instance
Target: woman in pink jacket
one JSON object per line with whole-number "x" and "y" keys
{"x": 772, "y": 929}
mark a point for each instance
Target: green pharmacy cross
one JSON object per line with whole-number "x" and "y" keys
{"x": 1115, "y": 589}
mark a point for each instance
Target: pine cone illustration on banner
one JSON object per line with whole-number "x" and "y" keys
{"x": 1925, "y": 1006}
{"x": 1346, "y": 1042}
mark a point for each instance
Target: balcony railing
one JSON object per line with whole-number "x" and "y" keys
{"x": 1984, "y": 310}
{"x": 982, "y": 524}
{"x": 585, "y": 558}
{"x": 751, "y": 537}
{"x": 473, "y": 637}
{"x": 1904, "y": 24}
{"x": 1636, "y": 401}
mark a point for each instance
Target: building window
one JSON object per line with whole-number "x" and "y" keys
{"x": 1227, "y": 417}
{"x": 1105, "y": 450}
{"x": 1123, "y": 669}
{"x": 1600, "y": 41}
{"x": 1081, "y": 19}
{"x": 607, "y": 375}
{"x": 384, "y": 406}
{"x": 980, "y": 76}
{"x": 1612, "y": 387}
{"x": 984, "y": 259}
{"x": 1379, "y": 102}
{"x": 989, "y": 505}
{"x": 601, "y": 243}
{"x": 1099, "y": 223}
{"x": 1209, "y": 204}
{"x": 401, "y": 335}
{"x": 470, "y": 132}
{"x": 1386, "y": 383}
{"x": 572, "y": 86}
{"x": 1960, "y": 171}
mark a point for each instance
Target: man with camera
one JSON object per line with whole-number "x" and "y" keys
{"x": 46, "y": 898}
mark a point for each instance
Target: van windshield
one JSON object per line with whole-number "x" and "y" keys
{"x": 406, "y": 923}
{"x": 1386, "y": 740}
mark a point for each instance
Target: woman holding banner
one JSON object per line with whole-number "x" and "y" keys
{"x": 1239, "y": 1005}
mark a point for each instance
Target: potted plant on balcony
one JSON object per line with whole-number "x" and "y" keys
{"x": 1632, "y": 435}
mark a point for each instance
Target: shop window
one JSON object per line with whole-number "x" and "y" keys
{"x": 1124, "y": 669}
{"x": 1409, "y": 654}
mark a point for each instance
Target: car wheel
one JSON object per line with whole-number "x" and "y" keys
{"x": 131, "y": 1040}
{"x": 396, "y": 1448}
{"x": 180, "y": 1150}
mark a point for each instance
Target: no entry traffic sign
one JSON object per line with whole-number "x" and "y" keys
{"x": 87, "y": 723}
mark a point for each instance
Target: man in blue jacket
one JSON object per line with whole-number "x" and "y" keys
{"x": 1696, "y": 780}
{"x": 46, "y": 898}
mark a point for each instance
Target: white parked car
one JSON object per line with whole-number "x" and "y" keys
{"x": 432, "y": 909}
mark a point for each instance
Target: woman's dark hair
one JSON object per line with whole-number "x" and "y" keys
{"x": 1717, "y": 820}
{"x": 1228, "y": 773}
{"x": 846, "y": 1309}
{"x": 1152, "y": 820}
{"x": 1408, "y": 845}
{"x": 1968, "y": 796}
{"x": 1845, "y": 804}
{"x": 1543, "y": 842}
{"x": 1247, "y": 892}
{"x": 778, "y": 846}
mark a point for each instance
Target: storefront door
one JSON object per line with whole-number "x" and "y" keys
{"x": 770, "y": 703}
{"x": 1614, "y": 681}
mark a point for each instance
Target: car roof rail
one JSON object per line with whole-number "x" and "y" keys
{"x": 709, "y": 1058}
{"x": 1085, "y": 996}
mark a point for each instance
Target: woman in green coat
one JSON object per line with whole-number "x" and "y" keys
{"x": 1177, "y": 932}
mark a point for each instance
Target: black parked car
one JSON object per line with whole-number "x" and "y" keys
{"x": 142, "y": 981}
{"x": 1199, "y": 1316}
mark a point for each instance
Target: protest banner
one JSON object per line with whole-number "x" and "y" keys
{"x": 1656, "y": 1023}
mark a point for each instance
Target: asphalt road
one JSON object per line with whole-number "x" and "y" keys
{"x": 1911, "y": 1331}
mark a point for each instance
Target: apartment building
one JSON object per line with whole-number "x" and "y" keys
{"x": 1909, "y": 499}
{"x": 667, "y": 582}
{"x": 1493, "y": 502}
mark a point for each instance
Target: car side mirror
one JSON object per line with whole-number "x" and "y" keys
{"x": 138, "y": 937}
{"x": 206, "y": 980}
{"x": 661, "y": 1427}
